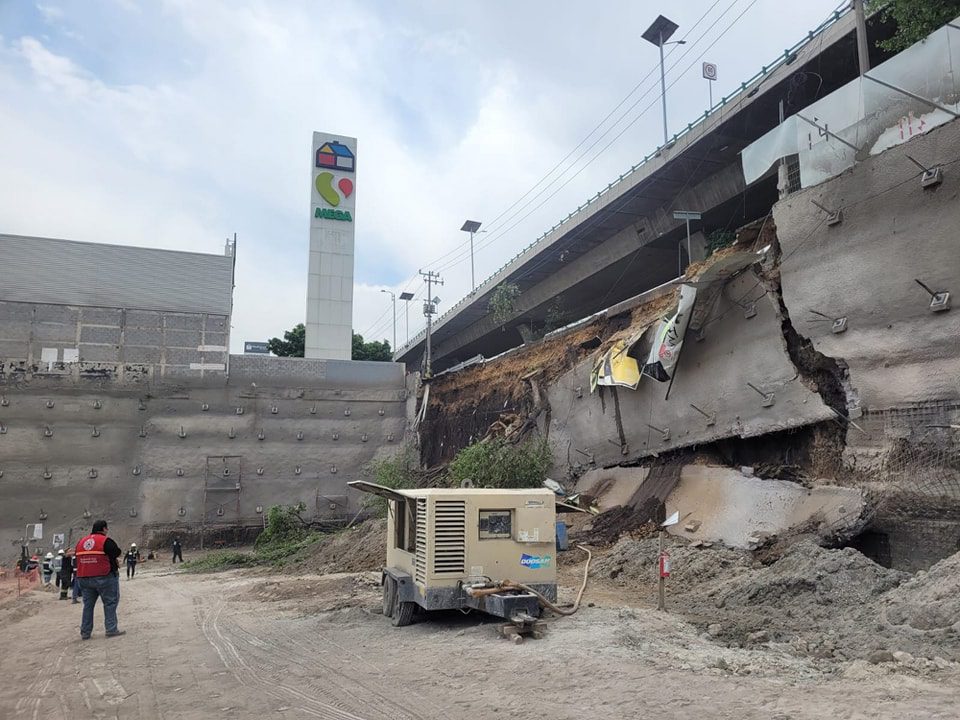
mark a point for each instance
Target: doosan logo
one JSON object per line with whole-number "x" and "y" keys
{"x": 535, "y": 562}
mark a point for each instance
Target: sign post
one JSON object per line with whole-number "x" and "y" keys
{"x": 663, "y": 562}
{"x": 710, "y": 75}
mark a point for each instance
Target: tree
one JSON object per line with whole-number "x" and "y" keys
{"x": 374, "y": 350}
{"x": 292, "y": 344}
{"x": 915, "y": 19}
{"x": 294, "y": 341}
{"x": 502, "y": 302}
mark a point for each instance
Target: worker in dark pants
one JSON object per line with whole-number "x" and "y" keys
{"x": 177, "y": 550}
{"x": 98, "y": 568}
{"x": 132, "y": 558}
{"x": 66, "y": 575}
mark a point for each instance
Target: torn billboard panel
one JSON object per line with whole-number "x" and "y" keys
{"x": 668, "y": 339}
{"x": 616, "y": 367}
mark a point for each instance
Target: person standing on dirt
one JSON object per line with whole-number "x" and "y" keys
{"x": 99, "y": 572}
{"x": 66, "y": 575}
{"x": 47, "y": 568}
{"x": 76, "y": 580}
{"x": 177, "y": 550}
{"x": 132, "y": 558}
{"x": 57, "y": 565}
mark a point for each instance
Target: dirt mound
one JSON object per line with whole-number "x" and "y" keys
{"x": 929, "y": 603}
{"x": 632, "y": 562}
{"x": 815, "y": 578}
{"x": 312, "y": 594}
{"x": 360, "y": 548}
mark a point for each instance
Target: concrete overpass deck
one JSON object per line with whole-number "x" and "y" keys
{"x": 624, "y": 240}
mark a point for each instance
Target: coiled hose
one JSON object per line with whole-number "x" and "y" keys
{"x": 543, "y": 600}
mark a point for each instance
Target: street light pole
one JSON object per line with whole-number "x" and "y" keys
{"x": 407, "y": 297}
{"x": 658, "y": 34}
{"x": 393, "y": 299}
{"x": 471, "y": 226}
{"x": 663, "y": 90}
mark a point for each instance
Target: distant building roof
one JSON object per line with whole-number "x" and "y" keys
{"x": 65, "y": 272}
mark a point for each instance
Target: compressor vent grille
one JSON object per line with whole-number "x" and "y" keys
{"x": 449, "y": 538}
{"x": 420, "y": 559}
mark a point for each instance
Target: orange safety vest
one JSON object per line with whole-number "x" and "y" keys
{"x": 92, "y": 561}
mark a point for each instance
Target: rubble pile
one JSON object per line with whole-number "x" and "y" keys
{"x": 825, "y": 604}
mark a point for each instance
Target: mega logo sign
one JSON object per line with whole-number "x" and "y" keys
{"x": 334, "y": 157}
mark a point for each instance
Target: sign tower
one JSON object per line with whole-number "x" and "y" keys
{"x": 330, "y": 271}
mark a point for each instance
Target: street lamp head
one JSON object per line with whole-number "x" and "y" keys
{"x": 660, "y": 31}
{"x": 471, "y": 226}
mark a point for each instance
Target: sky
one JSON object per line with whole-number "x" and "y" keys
{"x": 177, "y": 123}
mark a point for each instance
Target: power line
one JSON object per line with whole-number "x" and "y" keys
{"x": 491, "y": 225}
{"x": 620, "y": 134}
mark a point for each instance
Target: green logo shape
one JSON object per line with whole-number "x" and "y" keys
{"x": 324, "y": 185}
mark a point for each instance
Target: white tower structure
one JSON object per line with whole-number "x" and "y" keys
{"x": 333, "y": 195}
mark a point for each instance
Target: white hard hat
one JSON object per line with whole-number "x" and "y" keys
{"x": 60, "y": 552}
{"x": 133, "y": 544}
{"x": 49, "y": 555}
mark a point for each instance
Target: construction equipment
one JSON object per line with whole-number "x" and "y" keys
{"x": 470, "y": 548}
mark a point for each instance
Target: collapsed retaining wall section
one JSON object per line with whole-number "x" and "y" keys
{"x": 714, "y": 374}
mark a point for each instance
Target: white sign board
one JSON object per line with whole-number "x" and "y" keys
{"x": 58, "y": 540}
{"x": 35, "y": 531}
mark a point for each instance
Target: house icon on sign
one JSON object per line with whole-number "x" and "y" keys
{"x": 335, "y": 156}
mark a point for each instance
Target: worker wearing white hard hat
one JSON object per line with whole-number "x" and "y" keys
{"x": 132, "y": 558}
{"x": 46, "y": 567}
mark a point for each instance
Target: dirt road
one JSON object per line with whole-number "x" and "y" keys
{"x": 236, "y": 645}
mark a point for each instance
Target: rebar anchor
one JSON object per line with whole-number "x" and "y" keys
{"x": 768, "y": 398}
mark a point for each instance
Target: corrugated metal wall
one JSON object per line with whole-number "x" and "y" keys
{"x": 63, "y": 272}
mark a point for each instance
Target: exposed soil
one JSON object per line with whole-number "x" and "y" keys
{"x": 243, "y": 645}
{"x": 355, "y": 549}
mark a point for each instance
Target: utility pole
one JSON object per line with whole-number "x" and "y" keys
{"x": 429, "y": 308}
{"x": 863, "y": 52}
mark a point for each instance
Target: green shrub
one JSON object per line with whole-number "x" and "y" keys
{"x": 719, "y": 239}
{"x": 500, "y": 464}
{"x": 397, "y": 471}
{"x": 220, "y": 560}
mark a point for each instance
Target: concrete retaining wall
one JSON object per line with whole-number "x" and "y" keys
{"x": 893, "y": 232}
{"x": 324, "y": 425}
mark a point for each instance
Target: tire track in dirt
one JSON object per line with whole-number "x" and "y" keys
{"x": 308, "y": 658}
{"x": 380, "y": 672}
{"x": 249, "y": 675}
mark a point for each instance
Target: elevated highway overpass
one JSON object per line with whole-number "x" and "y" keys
{"x": 624, "y": 240}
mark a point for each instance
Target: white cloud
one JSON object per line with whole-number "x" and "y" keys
{"x": 193, "y": 120}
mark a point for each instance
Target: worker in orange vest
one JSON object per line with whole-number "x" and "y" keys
{"x": 98, "y": 572}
